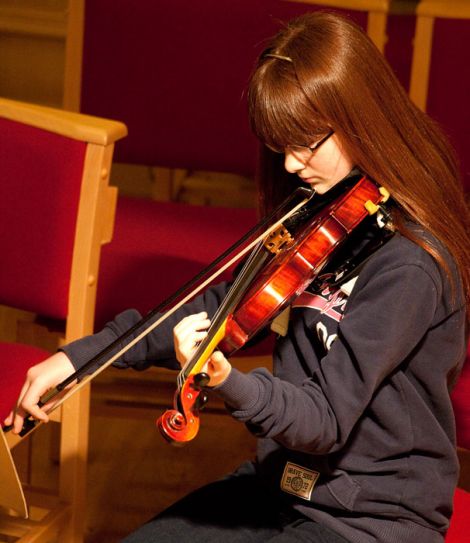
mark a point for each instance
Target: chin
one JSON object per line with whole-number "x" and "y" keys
{"x": 321, "y": 189}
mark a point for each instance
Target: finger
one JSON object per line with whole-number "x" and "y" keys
{"x": 21, "y": 415}
{"x": 216, "y": 361}
{"x": 185, "y": 332}
{"x": 9, "y": 420}
{"x": 30, "y": 406}
{"x": 218, "y": 358}
{"x": 194, "y": 317}
{"x": 193, "y": 339}
{"x": 212, "y": 364}
{"x": 35, "y": 411}
{"x": 49, "y": 406}
{"x": 198, "y": 316}
{"x": 189, "y": 347}
{"x": 193, "y": 322}
{"x": 18, "y": 421}
{"x": 218, "y": 368}
{"x": 183, "y": 336}
{"x": 31, "y": 399}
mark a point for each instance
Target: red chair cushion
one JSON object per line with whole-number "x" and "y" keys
{"x": 15, "y": 360}
{"x": 461, "y": 403}
{"x": 159, "y": 246}
{"x": 459, "y": 530}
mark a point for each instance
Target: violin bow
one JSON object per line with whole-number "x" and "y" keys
{"x": 305, "y": 196}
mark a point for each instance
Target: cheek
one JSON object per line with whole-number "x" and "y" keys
{"x": 339, "y": 164}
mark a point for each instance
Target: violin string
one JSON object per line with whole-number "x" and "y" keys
{"x": 254, "y": 262}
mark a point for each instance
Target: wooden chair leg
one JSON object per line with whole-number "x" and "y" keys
{"x": 421, "y": 61}
{"x": 376, "y": 28}
{"x": 11, "y": 491}
{"x": 74, "y": 445}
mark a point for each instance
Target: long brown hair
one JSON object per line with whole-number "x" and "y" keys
{"x": 322, "y": 72}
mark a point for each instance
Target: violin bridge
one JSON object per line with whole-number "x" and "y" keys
{"x": 278, "y": 239}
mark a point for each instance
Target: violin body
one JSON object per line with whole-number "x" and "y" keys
{"x": 284, "y": 278}
{"x": 287, "y": 276}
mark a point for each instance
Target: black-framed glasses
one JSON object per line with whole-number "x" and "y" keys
{"x": 304, "y": 153}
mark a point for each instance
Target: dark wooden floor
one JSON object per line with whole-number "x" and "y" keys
{"x": 133, "y": 473}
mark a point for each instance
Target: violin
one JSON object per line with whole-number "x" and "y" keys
{"x": 295, "y": 262}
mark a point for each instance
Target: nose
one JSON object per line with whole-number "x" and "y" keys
{"x": 291, "y": 163}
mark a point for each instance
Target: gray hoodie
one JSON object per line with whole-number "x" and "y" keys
{"x": 355, "y": 424}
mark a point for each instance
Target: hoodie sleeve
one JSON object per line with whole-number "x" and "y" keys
{"x": 390, "y": 310}
{"x": 156, "y": 348}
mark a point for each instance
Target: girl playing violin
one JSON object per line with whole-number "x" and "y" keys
{"x": 356, "y": 437}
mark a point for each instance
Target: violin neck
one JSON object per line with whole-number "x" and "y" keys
{"x": 253, "y": 264}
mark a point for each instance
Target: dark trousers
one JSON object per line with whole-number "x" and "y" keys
{"x": 233, "y": 510}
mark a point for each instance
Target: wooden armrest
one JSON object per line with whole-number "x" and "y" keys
{"x": 65, "y": 123}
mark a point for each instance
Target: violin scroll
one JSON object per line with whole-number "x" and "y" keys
{"x": 181, "y": 424}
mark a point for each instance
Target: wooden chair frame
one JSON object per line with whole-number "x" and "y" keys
{"x": 94, "y": 227}
{"x": 376, "y": 29}
{"x": 427, "y": 11}
{"x": 172, "y": 184}
{"x": 378, "y": 11}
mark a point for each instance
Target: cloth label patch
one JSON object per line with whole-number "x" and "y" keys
{"x": 298, "y": 480}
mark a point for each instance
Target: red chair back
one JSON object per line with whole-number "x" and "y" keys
{"x": 37, "y": 239}
{"x": 449, "y": 86}
{"x": 176, "y": 73}
{"x": 461, "y": 402}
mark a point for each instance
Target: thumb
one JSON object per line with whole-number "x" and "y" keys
{"x": 218, "y": 368}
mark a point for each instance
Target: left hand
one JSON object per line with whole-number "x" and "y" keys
{"x": 187, "y": 335}
{"x": 218, "y": 368}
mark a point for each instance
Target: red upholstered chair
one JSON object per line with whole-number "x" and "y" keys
{"x": 461, "y": 403}
{"x": 374, "y": 15}
{"x": 176, "y": 74}
{"x": 57, "y": 210}
{"x": 459, "y": 531}
{"x": 163, "y": 246}
{"x": 440, "y": 79}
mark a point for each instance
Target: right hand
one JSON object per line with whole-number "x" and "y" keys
{"x": 39, "y": 379}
